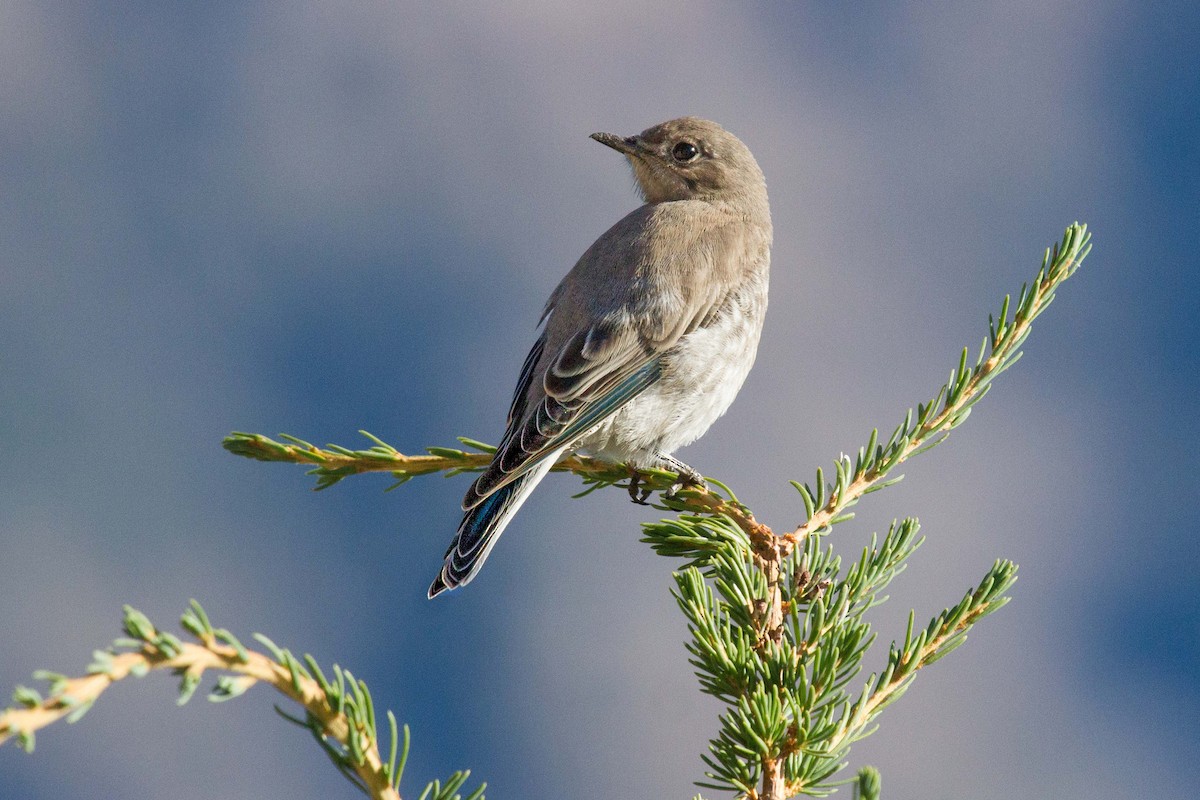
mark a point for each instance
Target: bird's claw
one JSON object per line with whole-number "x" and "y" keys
{"x": 638, "y": 492}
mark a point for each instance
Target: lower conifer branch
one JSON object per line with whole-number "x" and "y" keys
{"x": 339, "y": 712}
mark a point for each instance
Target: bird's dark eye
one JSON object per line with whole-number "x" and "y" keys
{"x": 684, "y": 151}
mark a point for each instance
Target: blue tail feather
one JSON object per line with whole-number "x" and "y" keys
{"x": 481, "y": 527}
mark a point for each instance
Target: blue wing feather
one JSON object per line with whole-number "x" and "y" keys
{"x": 553, "y": 426}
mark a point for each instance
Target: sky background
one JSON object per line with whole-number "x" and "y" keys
{"x": 316, "y": 218}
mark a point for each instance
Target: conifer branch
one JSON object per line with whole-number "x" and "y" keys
{"x": 945, "y": 633}
{"x": 933, "y": 421}
{"x": 339, "y": 713}
{"x": 333, "y": 463}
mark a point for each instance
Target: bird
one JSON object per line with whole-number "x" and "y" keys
{"x": 648, "y": 338}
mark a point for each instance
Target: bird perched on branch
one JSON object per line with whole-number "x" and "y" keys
{"x": 647, "y": 339}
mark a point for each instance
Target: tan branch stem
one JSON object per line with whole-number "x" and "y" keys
{"x": 195, "y": 659}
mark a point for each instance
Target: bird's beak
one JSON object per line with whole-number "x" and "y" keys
{"x": 622, "y": 144}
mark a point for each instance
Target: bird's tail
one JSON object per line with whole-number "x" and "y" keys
{"x": 482, "y": 526}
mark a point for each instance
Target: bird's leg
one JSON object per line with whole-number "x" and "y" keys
{"x": 687, "y": 475}
{"x": 636, "y": 493}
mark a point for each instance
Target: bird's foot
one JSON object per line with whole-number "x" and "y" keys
{"x": 685, "y": 480}
{"x": 686, "y": 476}
{"x": 638, "y": 491}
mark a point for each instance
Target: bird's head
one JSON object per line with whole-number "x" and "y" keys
{"x": 690, "y": 159}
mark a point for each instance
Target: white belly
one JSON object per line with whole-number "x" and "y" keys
{"x": 701, "y": 376}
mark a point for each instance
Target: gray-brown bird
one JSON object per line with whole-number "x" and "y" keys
{"x": 647, "y": 339}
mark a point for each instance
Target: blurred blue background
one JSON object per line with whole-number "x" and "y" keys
{"x": 316, "y": 218}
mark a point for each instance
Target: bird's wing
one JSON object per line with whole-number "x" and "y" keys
{"x": 586, "y": 380}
